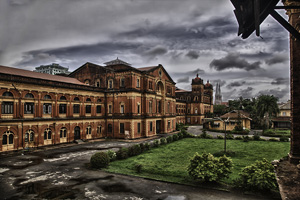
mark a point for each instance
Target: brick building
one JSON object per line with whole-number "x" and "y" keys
{"x": 116, "y": 101}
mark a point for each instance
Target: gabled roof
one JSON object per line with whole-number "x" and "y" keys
{"x": 117, "y": 62}
{"x": 234, "y": 115}
{"x": 286, "y": 106}
{"x": 37, "y": 75}
{"x": 147, "y": 68}
{"x": 89, "y": 64}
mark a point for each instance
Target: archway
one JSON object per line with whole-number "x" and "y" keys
{"x": 77, "y": 133}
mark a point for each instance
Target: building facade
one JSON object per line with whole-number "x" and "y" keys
{"x": 112, "y": 101}
{"x": 283, "y": 118}
{"x": 52, "y": 69}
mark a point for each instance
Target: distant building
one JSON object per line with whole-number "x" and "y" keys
{"x": 52, "y": 69}
{"x": 218, "y": 95}
{"x": 283, "y": 119}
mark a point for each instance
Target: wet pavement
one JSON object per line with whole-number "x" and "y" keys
{"x": 60, "y": 173}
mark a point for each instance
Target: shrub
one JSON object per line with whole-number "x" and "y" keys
{"x": 112, "y": 155}
{"x": 134, "y": 150}
{"x": 156, "y": 143}
{"x": 146, "y": 146}
{"x": 220, "y": 136}
{"x": 283, "y": 139}
{"x": 99, "y": 160}
{"x": 163, "y": 141}
{"x": 206, "y": 167}
{"x": 209, "y": 137}
{"x": 229, "y": 137}
{"x": 142, "y": 146}
{"x": 186, "y": 134}
{"x": 122, "y": 153}
{"x": 238, "y": 138}
{"x": 175, "y": 137}
{"x": 238, "y": 127}
{"x": 273, "y": 139}
{"x": 180, "y": 135}
{"x": 256, "y": 137}
{"x": 259, "y": 176}
{"x": 138, "y": 168}
{"x": 203, "y": 134}
{"x": 169, "y": 139}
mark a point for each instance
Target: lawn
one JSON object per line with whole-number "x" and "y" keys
{"x": 169, "y": 162}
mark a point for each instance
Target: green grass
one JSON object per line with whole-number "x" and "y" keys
{"x": 169, "y": 162}
{"x": 277, "y": 133}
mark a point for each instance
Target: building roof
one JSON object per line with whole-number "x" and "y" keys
{"x": 281, "y": 119}
{"x": 286, "y": 106}
{"x": 234, "y": 115}
{"x": 37, "y": 75}
{"x": 181, "y": 90}
{"x": 117, "y": 62}
{"x": 147, "y": 68}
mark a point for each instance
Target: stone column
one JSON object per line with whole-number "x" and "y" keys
{"x": 295, "y": 82}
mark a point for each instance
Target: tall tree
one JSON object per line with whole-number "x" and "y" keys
{"x": 266, "y": 106}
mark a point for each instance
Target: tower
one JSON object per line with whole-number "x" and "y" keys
{"x": 218, "y": 96}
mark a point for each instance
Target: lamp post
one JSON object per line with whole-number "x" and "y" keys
{"x": 224, "y": 122}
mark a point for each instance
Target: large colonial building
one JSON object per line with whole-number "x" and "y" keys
{"x": 116, "y": 101}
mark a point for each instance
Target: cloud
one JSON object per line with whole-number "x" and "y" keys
{"x": 281, "y": 81}
{"x": 221, "y": 82}
{"x": 193, "y": 54}
{"x": 277, "y": 92}
{"x": 156, "y": 51}
{"x": 277, "y": 59}
{"x": 246, "y": 93}
{"x": 184, "y": 80}
{"x": 233, "y": 60}
{"x": 235, "y": 84}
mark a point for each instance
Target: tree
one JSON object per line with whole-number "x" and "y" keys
{"x": 266, "y": 106}
{"x": 220, "y": 110}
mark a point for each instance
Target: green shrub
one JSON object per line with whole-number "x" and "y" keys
{"x": 206, "y": 167}
{"x": 209, "y": 137}
{"x": 180, "y": 135}
{"x": 163, "y": 141}
{"x": 186, "y": 134}
{"x": 273, "y": 140}
{"x": 246, "y": 138}
{"x": 238, "y": 138}
{"x": 99, "y": 160}
{"x": 169, "y": 139}
{"x": 268, "y": 132}
{"x": 238, "y": 127}
{"x": 142, "y": 146}
{"x": 147, "y": 146}
{"x": 112, "y": 155}
{"x": 122, "y": 153}
{"x": 175, "y": 137}
{"x": 138, "y": 168}
{"x": 134, "y": 150}
{"x": 156, "y": 143}
{"x": 203, "y": 134}
{"x": 229, "y": 136}
{"x": 283, "y": 139}
{"x": 259, "y": 176}
{"x": 220, "y": 136}
{"x": 256, "y": 137}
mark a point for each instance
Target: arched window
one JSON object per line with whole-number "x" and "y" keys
{"x": 109, "y": 128}
{"x": 88, "y": 100}
{"x": 76, "y": 99}
{"x": 26, "y": 137}
{"x": 29, "y": 95}
{"x": 122, "y": 82}
{"x": 63, "y": 98}
{"x": 11, "y": 139}
{"x": 63, "y": 132}
{"x": 47, "y": 97}
{"x": 8, "y": 138}
{"x": 99, "y": 100}
{"x": 7, "y": 94}
{"x": 4, "y": 139}
{"x": 196, "y": 111}
{"x": 47, "y": 134}
{"x": 88, "y": 130}
{"x": 99, "y": 129}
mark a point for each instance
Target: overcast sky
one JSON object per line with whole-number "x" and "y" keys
{"x": 186, "y": 37}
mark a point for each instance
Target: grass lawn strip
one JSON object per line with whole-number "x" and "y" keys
{"x": 169, "y": 162}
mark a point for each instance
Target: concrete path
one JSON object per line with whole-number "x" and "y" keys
{"x": 60, "y": 173}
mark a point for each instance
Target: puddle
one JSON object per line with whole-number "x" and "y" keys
{"x": 68, "y": 156}
{"x": 117, "y": 187}
{"x": 3, "y": 170}
{"x": 175, "y": 197}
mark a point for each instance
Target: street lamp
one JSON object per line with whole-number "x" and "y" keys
{"x": 224, "y": 122}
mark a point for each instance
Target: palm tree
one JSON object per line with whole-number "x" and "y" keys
{"x": 266, "y": 106}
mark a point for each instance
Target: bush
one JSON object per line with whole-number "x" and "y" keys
{"x": 134, "y": 150}
{"x": 180, "y": 135}
{"x": 229, "y": 137}
{"x": 283, "y": 139}
{"x": 156, "y": 143}
{"x": 99, "y": 160}
{"x": 122, "y": 153}
{"x": 163, "y": 141}
{"x": 175, "y": 137}
{"x": 206, "y": 167}
{"x": 246, "y": 138}
{"x": 142, "y": 146}
{"x": 259, "y": 176}
{"x": 256, "y": 137}
{"x": 273, "y": 140}
{"x": 112, "y": 155}
{"x": 138, "y": 168}
{"x": 203, "y": 134}
{"x": 169, "y": 139}
{"x": 238, "y": 138}
{"x": 220, "y": 136}
{"x": 186, "y": 134}
{"x": 147, "y": 146}
{"x": 238, "y": 127}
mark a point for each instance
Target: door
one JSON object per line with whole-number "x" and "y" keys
{"x": 77, "y": 133}
{"x": 158, "y": 123}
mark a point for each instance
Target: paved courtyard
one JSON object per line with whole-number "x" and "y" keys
{"x": 60, "y": 173}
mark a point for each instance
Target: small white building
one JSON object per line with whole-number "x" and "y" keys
{"x": 52, "y": 69}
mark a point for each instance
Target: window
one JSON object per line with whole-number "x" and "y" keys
{"x": 62, "y": 108}
{"x": 98, "y": 109}
{"x": 47, "y": 97}
{"x": 76, "y": 108}
{"x": 196, "y": 111}
{"x": 99, "y": 129}
{"x": 29, "y": 95}
{"x": 122, "y": 109}
{"x": 98, "y": 84}
{"x": 63, "y": 98}
{"x": 47, "y": 134}
{"x": 88, "y": 100}
{"x": 99, "y": 100}
{"x": 122, "y": 82}
{"x": 8, "y": 138}
{"x": 87, "y": 82}
{"x": 150, "y": 85}
{"x": 7, "y": 107}
{"x": 159, "y": 107}
{"x": 151, "y": 127}
{"x": 88, "y": 130}
{"x": 169, "y": 90}
{"x": 150, "y": 106}
{"x": 76, "y": 99}
{"x": 31, "y": 135}
{"x": 88, "y": 109}
{"x": 7, "y": 94}
{"x": 122, "y": 131}
{"x": 138, "y": 108}
{"x": 29, "y": 108}
{"x": 169, "y": 124}
{"x": 110, "y": 84}
{"x": 63, "y": 133}
{"x": 139, "y": 127}
{"x": 109, "y": 128}
{"x": 109, "y": 109}
{"x": 138, "y": 82}
{"x": 168, "y": 107}
{"x": 47, "y": 108}
{"x": 283, "y": 113}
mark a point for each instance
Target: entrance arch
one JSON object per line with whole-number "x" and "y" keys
{"x": 77, "y": 133}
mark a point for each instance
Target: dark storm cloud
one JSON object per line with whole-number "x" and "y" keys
{"x": 156, "y": 51}
{"x": 193, "y": 54}
{"x": 221, "y": 82}
{"x": 233, "y": 60}
{"x": 281, "y": 81}
{"x": 192, "y": 73}
{"x": 277, "y": 59}
{"x": 235, "y": 84}
{"x": 279, "y": 93}
{"x": 246, "y": 93}
{"x": 184, "y": 80}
